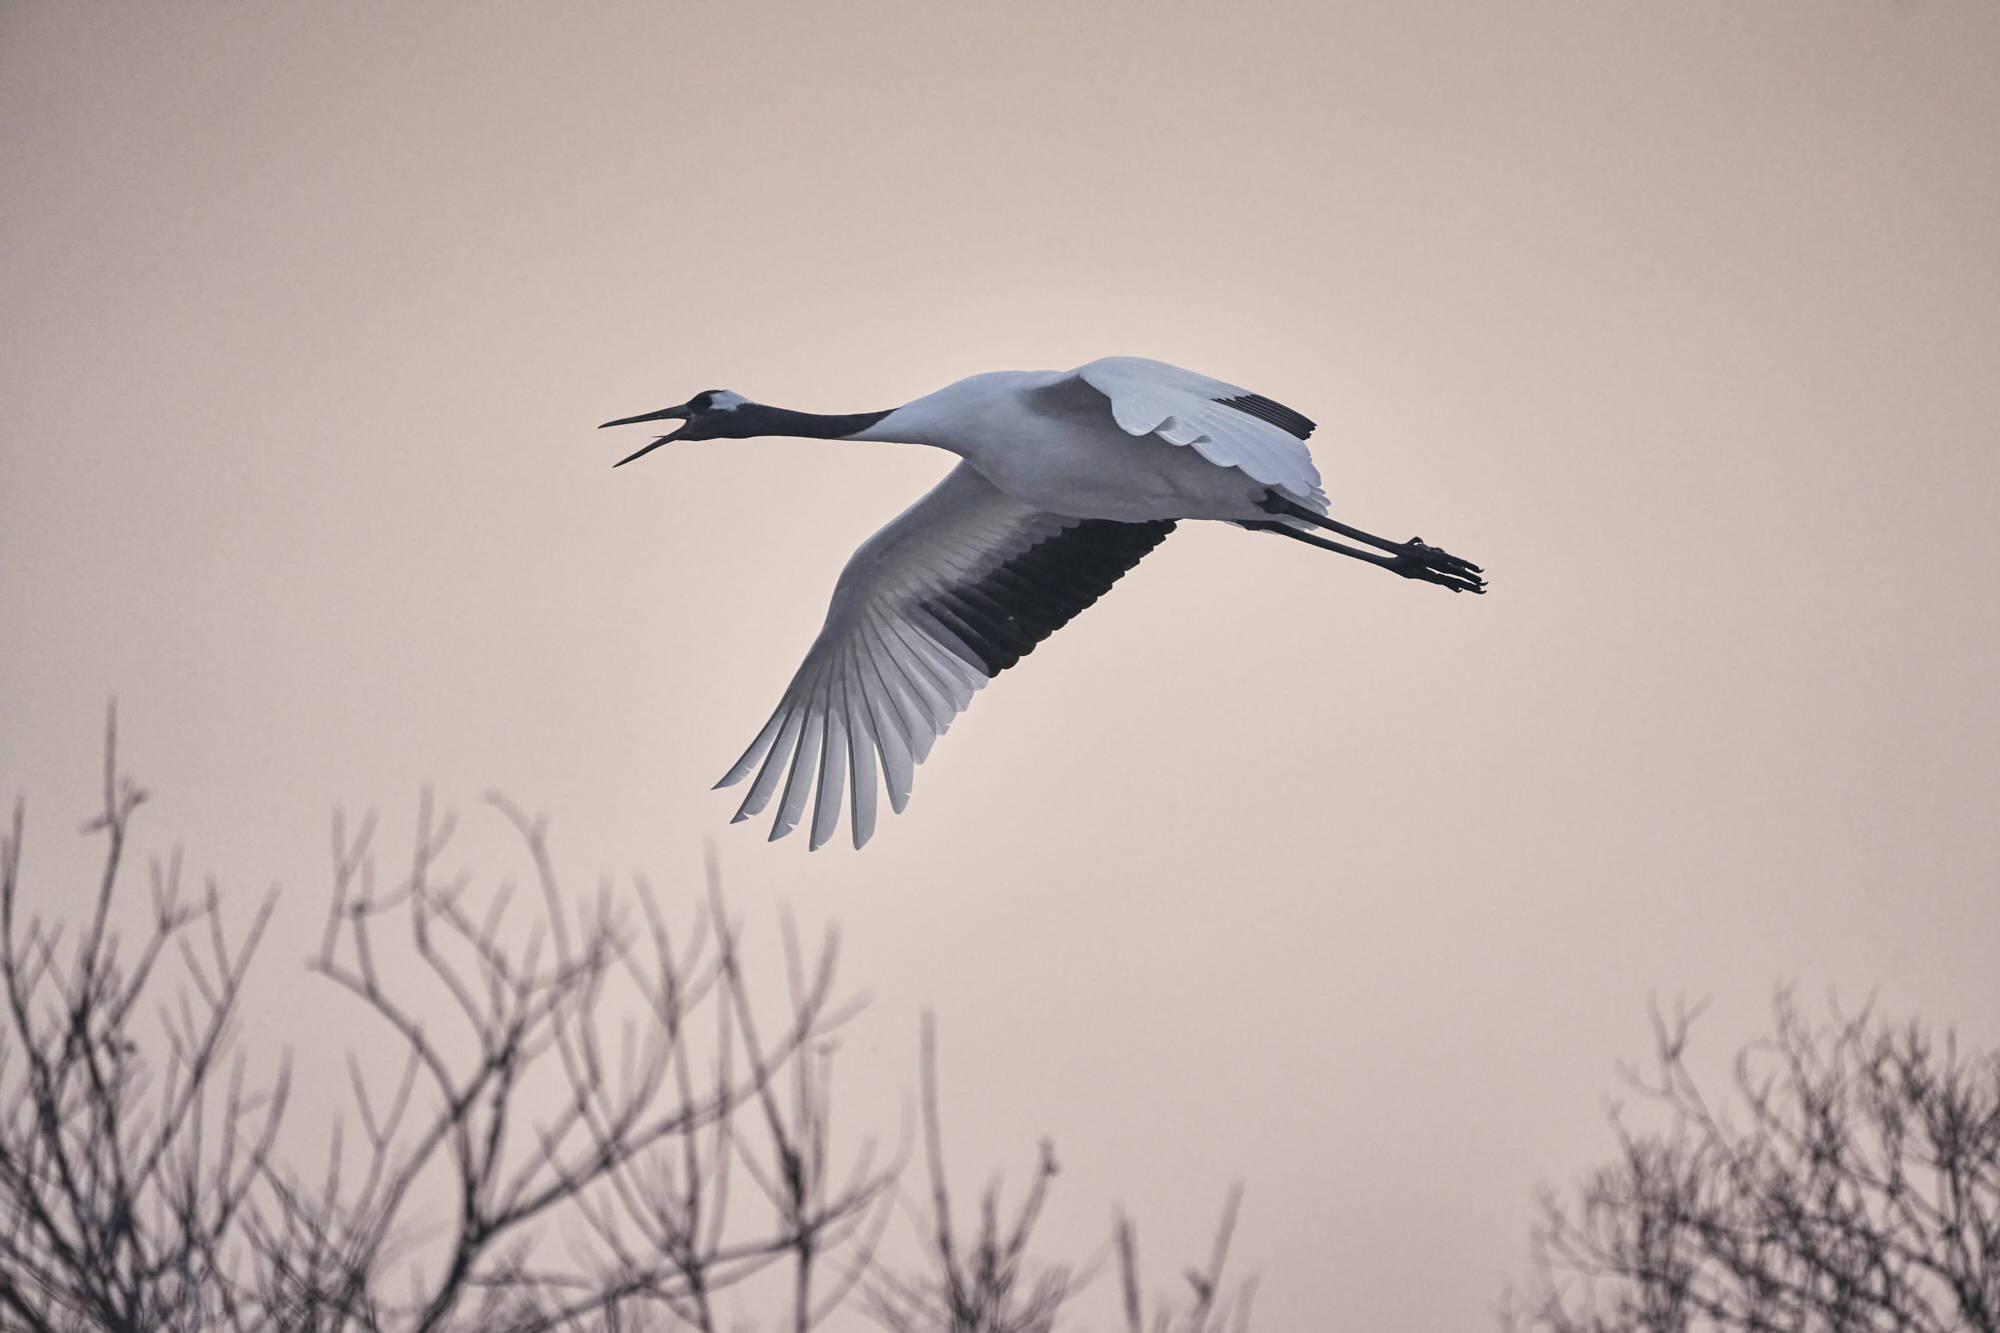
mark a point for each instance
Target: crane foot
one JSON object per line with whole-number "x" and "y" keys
{"x": 1415, "y": 559}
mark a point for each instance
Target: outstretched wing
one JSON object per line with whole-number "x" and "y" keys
{"x": 1227, "y": 425}
{"x": 959, "y": 587}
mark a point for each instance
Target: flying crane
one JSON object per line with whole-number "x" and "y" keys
{"x": 1068, "y": 478}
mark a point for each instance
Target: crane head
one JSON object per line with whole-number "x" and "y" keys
{"x": 709, "y": 415}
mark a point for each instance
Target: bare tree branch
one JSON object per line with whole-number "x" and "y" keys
{"x": 564, "y": 1113}
{"x": 1852, "y": 1183}
{"x": 122, "y": 1176}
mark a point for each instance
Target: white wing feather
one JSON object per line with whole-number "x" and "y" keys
{"x": 955, "y": 589}
{"x": 1181, "y": 407}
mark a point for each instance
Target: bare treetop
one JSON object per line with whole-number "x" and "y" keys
{"x": 1850, "y": 1180}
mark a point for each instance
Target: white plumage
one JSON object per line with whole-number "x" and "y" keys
{"x": 1068, "y": 478}
{"x": 1181, "y": 407}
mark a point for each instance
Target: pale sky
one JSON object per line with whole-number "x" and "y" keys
{"x": 1681, "y": 318}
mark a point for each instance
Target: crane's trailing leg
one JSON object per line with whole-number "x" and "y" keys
{"x": 1413, "y": 559}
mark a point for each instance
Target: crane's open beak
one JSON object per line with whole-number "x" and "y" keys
{"x": 664, "y": 414}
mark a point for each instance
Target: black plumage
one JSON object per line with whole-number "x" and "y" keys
{"x": 998, "y": 619}
{"x": 1264, "y": 409}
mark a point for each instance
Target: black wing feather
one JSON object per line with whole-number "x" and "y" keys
{"x": 1021, "y": 601}
{"x": 1265, "y": 409}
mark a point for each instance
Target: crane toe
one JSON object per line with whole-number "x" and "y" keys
{"x": 1419, "y": 560}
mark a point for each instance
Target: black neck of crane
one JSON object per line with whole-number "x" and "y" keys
{"x": 757, "y": 419}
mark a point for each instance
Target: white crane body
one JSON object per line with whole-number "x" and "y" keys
{"x": 1068, "y": 479}
{"x": 1054, "y": 441}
